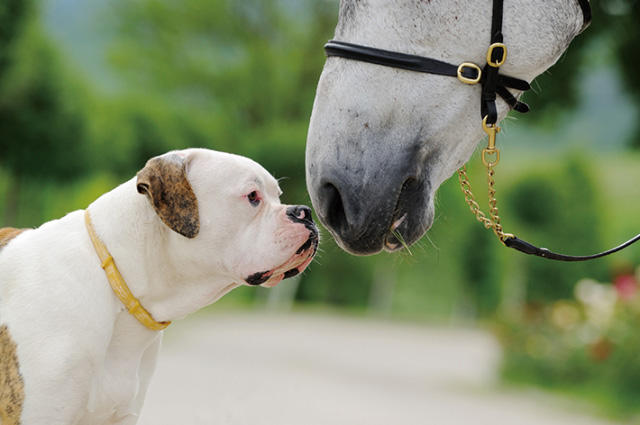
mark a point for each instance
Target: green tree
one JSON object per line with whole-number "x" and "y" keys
{"x": 241, "y": 73}
{"x": 482, "y": 276}
{"x": 558, "y": 210}
{"x": 614, "y": 27}
{"x": 42, "y": 119}
{"x": 13, "y": 16}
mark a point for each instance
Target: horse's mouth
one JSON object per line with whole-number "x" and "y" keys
{"x": 412, "y": 217}
{"x": 394, "y": 241}
{"x": 404, "y": 229}
{"x": 407, "y": 229}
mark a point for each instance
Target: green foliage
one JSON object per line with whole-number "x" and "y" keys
{"x": 338, "y": 280}
{"x": 235, "y": 76}
{"x": 42, "y": 118}
{"x": 611, "y": 38}
{"x": 13, "y": 15}
{"x": 559, "y": 208}
{"x": 41, "y": 113}
{"x": 626, "y": 37}
{"x": 480, "y": 277}
{"x": 617, "y": 21}
{"x": 585, "y": 346}
{"x": 232, "y": 76}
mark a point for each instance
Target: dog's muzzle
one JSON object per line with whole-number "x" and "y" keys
{"x": 299, "y": 260}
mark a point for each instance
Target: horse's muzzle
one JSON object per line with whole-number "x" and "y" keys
{"x": 366, "y": 219}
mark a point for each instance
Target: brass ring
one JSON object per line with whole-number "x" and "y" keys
{"x": 467, "y": 80}
{"x": 502, "y": 60}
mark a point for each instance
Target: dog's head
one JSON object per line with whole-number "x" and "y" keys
{"x": 224, "y": 210}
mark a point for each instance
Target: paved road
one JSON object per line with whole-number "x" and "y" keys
{"x": 261, "y": 369}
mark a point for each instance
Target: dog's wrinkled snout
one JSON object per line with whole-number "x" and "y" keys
{"x": 300, "y": 259}
{"x": 300, "y": 214}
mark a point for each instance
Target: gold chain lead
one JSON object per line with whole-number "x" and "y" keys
{"x": 493, "y": 221}
{"x": 491, "y": 151}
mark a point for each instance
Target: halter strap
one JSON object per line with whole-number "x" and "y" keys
{"x": 466, "y": 72}
{"x": 496, "y": 56}
{"x": 586, "y": 13}
{"x": 493, "y": 83}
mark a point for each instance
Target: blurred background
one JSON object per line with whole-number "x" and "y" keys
{"x": 90, "y": 89}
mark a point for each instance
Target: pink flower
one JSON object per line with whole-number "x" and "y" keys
{"x": 626, "y": 286}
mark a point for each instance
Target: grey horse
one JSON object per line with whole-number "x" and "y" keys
{"x": 381, "y": 140}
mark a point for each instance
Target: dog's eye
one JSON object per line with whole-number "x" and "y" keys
{"x": 253, "y": 198}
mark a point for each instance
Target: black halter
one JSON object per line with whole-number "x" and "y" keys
{"x": 493, "y": 84}
{"x": 467, "y": 72}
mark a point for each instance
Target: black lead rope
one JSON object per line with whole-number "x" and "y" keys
{"x": 493, "y": 84}
{"x": 527, "y": 248}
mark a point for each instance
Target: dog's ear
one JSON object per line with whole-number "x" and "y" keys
{"x": 164, "y": 180}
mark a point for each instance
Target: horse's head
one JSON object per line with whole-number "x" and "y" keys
{"x": 382, "y": 140}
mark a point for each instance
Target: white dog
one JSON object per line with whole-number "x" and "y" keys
{"x": 191, "y": 226}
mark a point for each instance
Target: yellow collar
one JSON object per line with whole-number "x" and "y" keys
{"x": 117, "y": 282}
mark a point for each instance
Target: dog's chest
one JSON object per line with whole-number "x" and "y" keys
{"x": 112, "y": 398}
{"x": 121, "y": 379}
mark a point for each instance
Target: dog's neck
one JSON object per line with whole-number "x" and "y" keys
{"x": 117, "y": 282}
{"x": 137, "y": 240}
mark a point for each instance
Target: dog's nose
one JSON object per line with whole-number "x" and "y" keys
{"x": 299, "y": 214}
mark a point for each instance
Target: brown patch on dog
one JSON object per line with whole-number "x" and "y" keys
{"x": 8, "y": 233}
{"x": 164, "y": 180}
{"x": 11, "y": 384}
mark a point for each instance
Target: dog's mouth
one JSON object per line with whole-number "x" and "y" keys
{"x": 292, "y": 267}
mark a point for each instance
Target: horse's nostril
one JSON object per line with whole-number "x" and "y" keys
{"x": 334, "y": 213}
{"x": 410, "y": 184}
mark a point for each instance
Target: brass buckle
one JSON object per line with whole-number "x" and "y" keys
{"x": 467, "y": 80}
{"x": 486, "y": 153}
{"x": 502, "y": 60}
{"x": 492, "y": 130}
